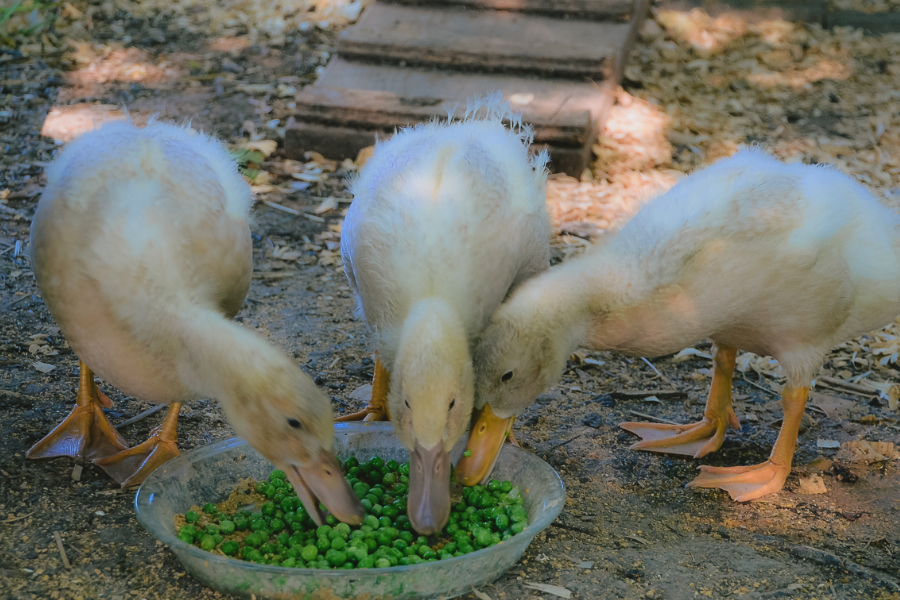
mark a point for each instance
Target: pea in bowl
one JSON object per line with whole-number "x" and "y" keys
{"x": 211, "y": 474}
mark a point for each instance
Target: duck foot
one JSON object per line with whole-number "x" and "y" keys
{"x": 377, "y": 407}
{"x": 132, "y": 466}
{"x": 696, "y": 439}
{"x": 744, "y": 483}
{"x": 85, "y": 434}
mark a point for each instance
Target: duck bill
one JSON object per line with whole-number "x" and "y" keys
{"x": 485, "y": 442}
{"x": 428, "y": 505}
{"x": 322, "y": 481}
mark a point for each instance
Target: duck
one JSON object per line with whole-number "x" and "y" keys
{"x": 783, "y": 260}
{"x": 141, "y": 249}
{"x": 447, "y": 218}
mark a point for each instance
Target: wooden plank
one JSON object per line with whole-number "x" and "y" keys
{"x": 342, "y": 142}
{"x": 485, "y": 41}
{"x": 595, "y": 10}
{"x": 537, "y": 95}
{"x": 386, "y": 111}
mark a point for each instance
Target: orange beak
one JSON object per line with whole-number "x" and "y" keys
{"x": 485, "y": 442}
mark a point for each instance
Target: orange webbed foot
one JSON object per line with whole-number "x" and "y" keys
{"x": 744, "y": 483}
{"x": 85, "y": 434}
{"x": 132, "y": 466}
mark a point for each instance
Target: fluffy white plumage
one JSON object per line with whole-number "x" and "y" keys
{"x": 447, "y": 219}
{"x": 776, "y": 259}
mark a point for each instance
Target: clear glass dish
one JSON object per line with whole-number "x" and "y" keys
{"x": 211, "y": 473}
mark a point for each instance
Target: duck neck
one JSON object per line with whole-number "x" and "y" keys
{"x": 572, "y": 300}
{"x": 222, "y": 360}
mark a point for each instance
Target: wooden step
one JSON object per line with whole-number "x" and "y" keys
{"x": 594, "y": 10}
{"x": 486, "y": 41}
{"x": 353, "y": 104}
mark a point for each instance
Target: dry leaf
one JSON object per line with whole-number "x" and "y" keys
{"x": 689, "y": 353}
{"x": 812, "y": 485}
{"x": 364, "y": 155}
{"x": 861, "y": 451}
{"x": 480, "y": 595}
{"x": 264, "y": 147}
{"x": 550, "y": 589}
{"x": 42, "y": 367}
{"x": 827, "y": 444}
{"x": 327, "y": 205}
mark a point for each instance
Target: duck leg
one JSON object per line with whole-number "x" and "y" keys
{"x": 749, "y": 483}
{"x": 132, "y": 466}
{"x": 377, "y": 407}
{"x": 84, "y": 433}
{"x": 696, "y": 439}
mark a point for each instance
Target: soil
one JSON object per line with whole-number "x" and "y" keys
{"x": 630, "y": 528}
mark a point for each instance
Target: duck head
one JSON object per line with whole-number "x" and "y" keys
{"x": 430, "y": 403}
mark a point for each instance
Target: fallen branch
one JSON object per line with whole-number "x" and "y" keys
{"x": 142, "y": 415}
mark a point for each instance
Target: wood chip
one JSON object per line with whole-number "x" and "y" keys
{"x": 812, "y": 485}
{"x": 549, "y": 589}
{"x": 62, "y": 550}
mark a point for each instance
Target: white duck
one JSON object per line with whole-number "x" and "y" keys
{"x": 775, "y": 259}
{"x": 142, "y": 251}
{"x": 447, "y": 218}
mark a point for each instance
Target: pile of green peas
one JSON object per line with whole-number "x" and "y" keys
{"x": 282, "y": 533}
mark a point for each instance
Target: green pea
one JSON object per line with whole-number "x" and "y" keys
{"x": 506, "y": 487}
{"x": 191, "y": 516}
{"x": 389, "y": 479}
{"x": 377, "y": 509}
{"x": 343, "y": 528}
{"x": 210, "y": 508}
{"x": 400, "y": 544}
{"x": 207, "y": 542}
{"x": 404, "y": 469}
{"x": 187, "y": 538}
{"x": 385, "y": 522}
{"x": 372, "y": 499}
{"x": 351, "y": 462}
{"x": 517, "y": 527}
{"x": 382, "y": 539}
{"x": 371, "y": 522}
{"x": 382, "y": 563}
{"x": 482, "y": 536}
{"x": 267, "y": 548}
{"x": 518, "y": 515}
{"x": 323, "y": 530}
{"x": 323, "y": 544}
{"x": 409, "y": 550}
{"x": 449, "y": 547}
{"x": 502, "y": 522}
{"x": 335, "y": 557}
{"x": 283, "y": 538}
{"x": 366, "y": 563}
{"x": 309, "y": 553}
{"x": 277, "y": 474}
{"x": 331, "y": 519}
{"x": 230, "y": 548}
{"x": 406, "y": 536}
{"x": 289, "y": 562}
{"x": 226, "y": 526}
{"x": 338, "y": 543}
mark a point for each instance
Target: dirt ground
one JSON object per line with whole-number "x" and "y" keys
{"x": 630, "y": 528}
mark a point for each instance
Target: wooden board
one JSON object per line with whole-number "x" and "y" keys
{"x": 485, "y": 41}
{"x": 595, "y": 10}
{"x": 386, "y": 111}
{"x": 343, "y": 142}
{"x": 546, "y": 96}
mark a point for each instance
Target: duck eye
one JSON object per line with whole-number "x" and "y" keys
{"x": 295, "y": 423}
{"x": 506, "y": 376}
{"x": 452, "y": 403}
{"x": 406, "y": 402}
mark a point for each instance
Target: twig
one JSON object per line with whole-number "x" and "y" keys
{"x": 12, "y": 211}
{"x": 62, "y": 550}
{"x": 655, "y": 370}
{"x": 291, "y": 211}
{"x": 818, "y": 556}
{"x": 14, "y": 519}
{"x": 553, "y": 116}
{"x": 140, "y": 416}
{"x": 760, "y": 387}
{"x": 555, "y": 446}
{"x": 652, "y": 418}
{"x": 831, "y": 381}
{"x": 313, "y": 218}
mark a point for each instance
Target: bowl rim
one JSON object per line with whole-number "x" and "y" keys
{"x": 141, "y": 502}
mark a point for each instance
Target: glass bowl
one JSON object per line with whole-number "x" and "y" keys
{"x": 211, "y": 473}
